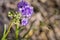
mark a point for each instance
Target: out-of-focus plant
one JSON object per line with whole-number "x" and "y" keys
{"x": 15, "y": 21}
{"x": 26, "y": 11}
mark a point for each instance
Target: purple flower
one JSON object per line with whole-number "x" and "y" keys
{"x": 22, "y": 4}
{"x": 26, "y": 11}
{"x": 24, "y": 21}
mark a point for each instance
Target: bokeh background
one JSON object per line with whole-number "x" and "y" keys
{"x": 43, "y": 25}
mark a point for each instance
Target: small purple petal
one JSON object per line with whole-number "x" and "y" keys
{"x": 24, "y": 21}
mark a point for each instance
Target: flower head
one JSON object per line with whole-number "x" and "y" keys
{"x": 26, "y": 11}
{"x": 22, "y": 4}
{"x": 24, "y": 21}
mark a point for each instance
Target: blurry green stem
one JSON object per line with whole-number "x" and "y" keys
{"x": 5, "y": 35}
{"x": 17, "y": 31}
{"x": 4, "y": 29}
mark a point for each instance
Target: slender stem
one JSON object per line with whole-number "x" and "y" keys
{"x": 4, "y": 29}
{"x": 10, "y": 25}
{"x": 17, "y": 31}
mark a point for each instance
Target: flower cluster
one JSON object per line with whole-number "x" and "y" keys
{"x": 24, "y": 21}
{"x": 26, "y": 10}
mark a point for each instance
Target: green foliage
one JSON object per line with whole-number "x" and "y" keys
{"x": 15, "y": 21}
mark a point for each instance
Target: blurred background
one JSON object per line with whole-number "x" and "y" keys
{"x": 44, "y": 23}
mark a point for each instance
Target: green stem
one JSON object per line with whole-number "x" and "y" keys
{"x": 4, "y": 29}
{"x": 4, "y": 36}
{"x": 17, "y": 31}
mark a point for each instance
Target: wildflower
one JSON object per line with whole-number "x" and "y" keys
{"x": 26, "y": 11}
{"x": 24, "y": 21}
{"x": 25, "y": 8}
{"x": 22, "y": 4}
